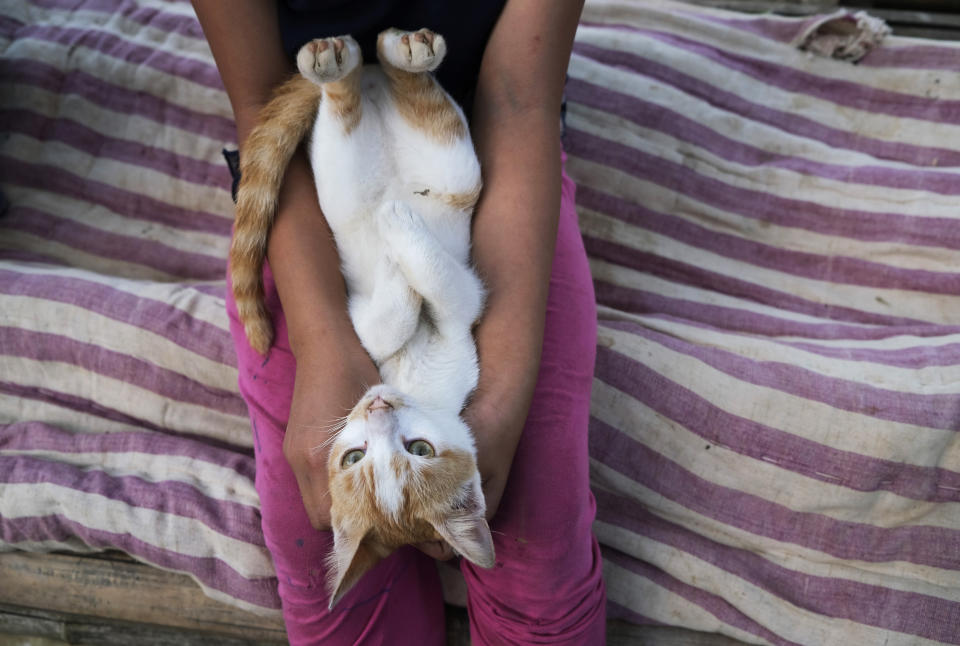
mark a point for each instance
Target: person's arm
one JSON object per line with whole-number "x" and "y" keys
{"x": 516, "y": 132}
{"x": 333, "y": 369}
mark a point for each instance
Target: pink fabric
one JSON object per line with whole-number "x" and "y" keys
{"x": 546, "y": 587}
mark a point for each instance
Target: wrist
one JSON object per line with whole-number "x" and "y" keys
{"x": 498, "y": 411}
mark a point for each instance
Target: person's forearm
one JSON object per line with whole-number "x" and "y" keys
{"x": 245, "y": 41}
{"x": 515, "y": 127}
{"x": 306, "y": 268}
{"x": 514, "y": 235}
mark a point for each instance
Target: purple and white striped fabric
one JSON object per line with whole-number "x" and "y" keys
{"x": 774, "y": 241}
{"x": 120, "y": 422}
{"x": 773, "y": 237}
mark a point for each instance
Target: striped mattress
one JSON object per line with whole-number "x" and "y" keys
{"x": 773, "y": 235}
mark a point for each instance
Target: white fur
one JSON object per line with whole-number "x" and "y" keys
{"x": 412, "y": 294}
{"x": 403, "y": 254}
{"x": 385, "y": 434}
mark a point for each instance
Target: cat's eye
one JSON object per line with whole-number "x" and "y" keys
{"x": 420, "y": 448}
{"x": 352, "y": 457}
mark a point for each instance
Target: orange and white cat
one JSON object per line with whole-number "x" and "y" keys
{"x": 397, "y": 179}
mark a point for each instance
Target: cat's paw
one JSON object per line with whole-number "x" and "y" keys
{"x": 324, "y": 60}
{"x": 396, "y": 220}
{"x": 413, "y": 51}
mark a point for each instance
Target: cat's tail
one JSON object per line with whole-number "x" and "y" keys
{"x": 281, "y": 126}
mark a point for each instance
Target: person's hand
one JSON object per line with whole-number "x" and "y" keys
{"x": 496, "y": 427}
{"x": 323, "y": 394}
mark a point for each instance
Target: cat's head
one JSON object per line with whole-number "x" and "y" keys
{"x": 400, "y": 474}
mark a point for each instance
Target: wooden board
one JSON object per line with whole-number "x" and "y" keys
{"x": 621, "y": 633}
{"x": 921, "y": 19}
{"x": 122, "y": 590}
{"x": 111, "y": 600}
{"x": 28, "y": 626}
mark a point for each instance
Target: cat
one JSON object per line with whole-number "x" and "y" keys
{"x": 397, "y": 178}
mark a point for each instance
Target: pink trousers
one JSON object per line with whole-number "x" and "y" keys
{"x": 546, "y": 587}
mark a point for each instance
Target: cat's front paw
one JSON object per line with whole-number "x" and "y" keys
{"x": 396, "y": 219}
{"x": 324, "y": 60}
{"x": 413, "y": 51}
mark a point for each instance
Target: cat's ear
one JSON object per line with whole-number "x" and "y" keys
{"x": 465, "y": 528}
{"x": 352, "y": 557}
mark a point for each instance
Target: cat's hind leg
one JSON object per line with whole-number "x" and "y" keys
{"x": 335, "y": 64}
{"x": 327, "y": 60}
{"x": 434, "y": 154}
{"x": 407, "y": 58}
{"x": 411, "y": 51}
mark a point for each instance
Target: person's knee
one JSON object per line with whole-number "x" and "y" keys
{"x": 540, "y": 601}
{"x": 397, "y": 602}
{"x": 562, "y": 621}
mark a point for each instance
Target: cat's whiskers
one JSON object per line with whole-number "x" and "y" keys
{"x": 317, "y": 427}
{"x": 335, "y": 429}
{"x": 334, "y": 434}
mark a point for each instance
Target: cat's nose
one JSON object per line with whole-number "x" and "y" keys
{"x": 378, "y": 404}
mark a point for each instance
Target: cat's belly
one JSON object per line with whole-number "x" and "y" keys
{"x": 440, "y": 372}
{"x": 384, "y": 157}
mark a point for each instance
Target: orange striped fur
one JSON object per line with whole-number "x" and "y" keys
{"x": 282, "y": 125}
{"x": 421, "y": 101}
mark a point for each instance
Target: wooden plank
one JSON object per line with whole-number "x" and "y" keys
{"x": 23, "y": 625}
{"x": 941, "y": 6}
{"x": 904, "y": 20}
{"x": 798, "y": 8}
{"x": 125, "y": 591}
{"x": 57, "y": 629}
{"x": 927, "y": 32}
{"x": 621, "y": 633}
{"x": 918, "y": 18}
{"x": 115, "y": 601}
{"x": 936, "y": 15}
